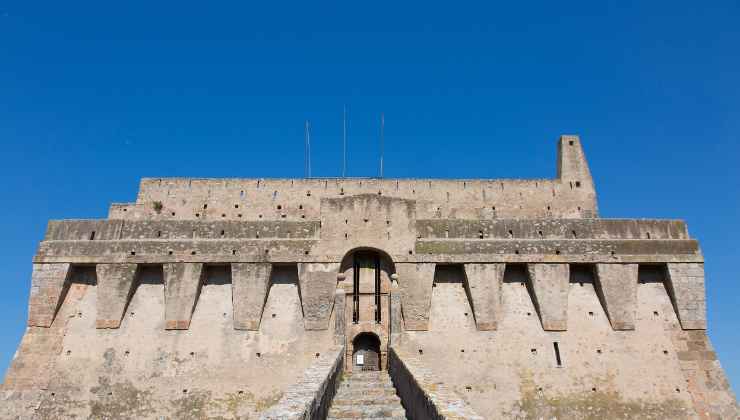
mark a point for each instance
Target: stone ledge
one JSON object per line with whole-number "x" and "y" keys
{"x": 311, "y": 397}
{"x": 423, "y": 395}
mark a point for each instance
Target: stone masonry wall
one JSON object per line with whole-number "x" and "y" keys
{"x": 210, "y": 298}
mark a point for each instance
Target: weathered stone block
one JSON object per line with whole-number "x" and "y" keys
{"x": 685, "y": 285}
{"x": 182, "y": 283}
{"x": 549, "y": 286}
{"x": 484, "y": 285}
{"x": 318, "y": 282}
{"x": 415, "y": 282}
{"x": 116, "y": 283}
{"x": 616, "y": 285}
{"x": 48, "y": 283}
{"x": 250, "y": 284}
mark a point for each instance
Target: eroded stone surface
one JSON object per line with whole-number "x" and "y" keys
{"x": 233, "y": 298}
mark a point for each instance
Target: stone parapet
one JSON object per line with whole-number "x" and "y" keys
{"x": 311, "y": 397}
{"x": 423, "y": 395}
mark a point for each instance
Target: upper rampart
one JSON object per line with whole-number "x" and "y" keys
{"x": 570, "y": 195}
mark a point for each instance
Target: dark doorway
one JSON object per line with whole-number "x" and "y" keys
{"x": 366, "y": 352}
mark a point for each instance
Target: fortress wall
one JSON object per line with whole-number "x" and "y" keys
{"x": 513, "y": 372}
{"x": 142, "y": 370}
{"x": 570, "y": 195}
{"x": 211, "y": 297}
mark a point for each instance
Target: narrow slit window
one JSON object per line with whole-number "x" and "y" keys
{"x": 558, "y": 361}
{"x": 92, "y": 235}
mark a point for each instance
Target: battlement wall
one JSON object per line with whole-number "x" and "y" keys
{"x": 570, "y": 195}
{"x": 213, "y": 296}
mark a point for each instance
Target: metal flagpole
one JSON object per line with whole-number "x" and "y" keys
{"x": 382, "y": 142}
{"x": 344, "y": 142}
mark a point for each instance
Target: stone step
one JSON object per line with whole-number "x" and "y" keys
{"x": 366, "y": 384}
{"x": 347, "y": 393}
{"x": 361, "y": 412}
{"x": 369, "y": 418}
{"x": 367, "y": 378}
{"x": 367, "y": 400}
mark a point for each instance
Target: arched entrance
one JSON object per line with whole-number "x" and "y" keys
{"x": 369, "y": 271}
{"x": 366, "y": 352}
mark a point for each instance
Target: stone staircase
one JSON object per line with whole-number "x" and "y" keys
{"x": 367, "y": 395}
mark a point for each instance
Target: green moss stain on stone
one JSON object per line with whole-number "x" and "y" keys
{"x": 119, "y": 401}
{"x": 595, "y": 404}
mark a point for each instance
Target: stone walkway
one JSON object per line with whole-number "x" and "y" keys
{"x": 367, "y": 395}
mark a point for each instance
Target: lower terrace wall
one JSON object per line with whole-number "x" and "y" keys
{"x": 141, "y": 370}
{"x": 657, "y": 370}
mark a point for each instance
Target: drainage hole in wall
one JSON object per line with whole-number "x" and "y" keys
{"x": 589, "y": 312}
{"x": 318, "y": 354}
{"x": 678, "y": 390}
{"x": 665, "y": 352}
{"x": 131, "y": 314}
{"x": 240, "y": 392}
{"x": 557, "y": 252}
{"x": 593, "y": 389}
{"x": 529, "y": 313}
{"x": 421, "y": 351}
{"x": 192, "y": 253}
{"x": 126, "y": 353}
{"x": 533, "y": 351}
{"x": 466, "y": 314}
{"x": 69, "y": 352}
{"x": 274, "y": 315}
{"x": 133, "y": 252}
{"x": 259, "y": 354}
{"x": 462, "y": 350}
{"x": 169, "y": 252}
{"x": 197, "y": 214}
{"x": 468, "y": 388}
{"x": 598, "y": 351}
{"x": 184, "y": 391}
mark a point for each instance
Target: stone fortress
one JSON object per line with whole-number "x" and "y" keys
{"x": 368, "y": 298}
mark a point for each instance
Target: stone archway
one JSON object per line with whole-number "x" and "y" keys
{"x": 366, "y": 352}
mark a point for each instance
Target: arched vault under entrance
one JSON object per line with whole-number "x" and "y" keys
{"x": 366, "y": 352}
{"x": 367, "y": 284}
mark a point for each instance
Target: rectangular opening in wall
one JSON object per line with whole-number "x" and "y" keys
{"x": 516, "y": 273}
{"x": 558, "y": 360}
{"x": 651, "y": 273}
{"x": 582, "y": 274}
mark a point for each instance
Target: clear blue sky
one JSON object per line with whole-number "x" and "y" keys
{"x": 95, "y": 96}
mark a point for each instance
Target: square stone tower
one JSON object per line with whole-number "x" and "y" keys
{"x": 481, "y": 298}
